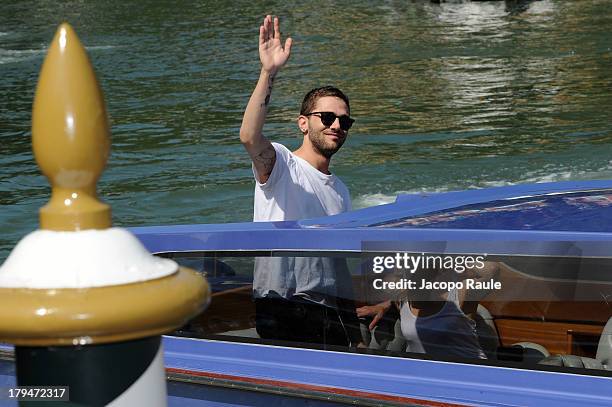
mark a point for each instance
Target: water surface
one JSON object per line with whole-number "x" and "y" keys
{"x": 446, "y": 96}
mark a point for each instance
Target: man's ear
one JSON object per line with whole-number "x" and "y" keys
{"x": 302, "y": 122}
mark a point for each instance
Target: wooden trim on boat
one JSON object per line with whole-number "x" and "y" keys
{"x": 292, "y": 389}
{"x": 556, "y": 337}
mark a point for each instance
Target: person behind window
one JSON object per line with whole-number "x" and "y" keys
{"x": 436, "y": 321}
{"x": 298, "y": 298}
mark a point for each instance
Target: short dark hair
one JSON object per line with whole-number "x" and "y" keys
{"x": 311, "y": 98}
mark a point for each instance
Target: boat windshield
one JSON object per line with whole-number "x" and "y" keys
{"x": 531, "y": 312}
{"x": 584, "y": 211}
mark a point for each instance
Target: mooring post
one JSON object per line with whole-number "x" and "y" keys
{"x": 85, "y": 303}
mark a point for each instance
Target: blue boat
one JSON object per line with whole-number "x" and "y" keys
{"x": 547, "y": 334}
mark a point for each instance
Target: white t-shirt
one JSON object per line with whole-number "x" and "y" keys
{"x": 296, "y": 190}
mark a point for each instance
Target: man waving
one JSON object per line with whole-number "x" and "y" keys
{"x": 304, "y": 299}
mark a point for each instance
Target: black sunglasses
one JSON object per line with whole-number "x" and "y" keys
{"x": 328, "y": 118}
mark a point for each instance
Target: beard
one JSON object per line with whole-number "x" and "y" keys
{"x": 325, "y": 147}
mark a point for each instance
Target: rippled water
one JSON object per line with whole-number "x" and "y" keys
{"x": 446, "y": 96}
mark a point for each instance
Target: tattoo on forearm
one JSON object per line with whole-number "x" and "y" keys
{"x": 267, "y": 100}
{"x": 264, "y": 162}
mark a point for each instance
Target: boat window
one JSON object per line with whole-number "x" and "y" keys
{"x": 584, "y": 211}
{"x": 534, "y": 312}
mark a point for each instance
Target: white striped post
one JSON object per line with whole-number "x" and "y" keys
{"x": 83, "y": 302}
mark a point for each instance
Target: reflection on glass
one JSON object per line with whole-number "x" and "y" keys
{"x": 522, "y": 311}
{"x": 580, "y": 211}
{"x": 305, "y": 299}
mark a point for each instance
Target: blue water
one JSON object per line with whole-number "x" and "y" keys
{"x": 450, "y": 96}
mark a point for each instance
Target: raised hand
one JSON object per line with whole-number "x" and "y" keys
{"x": 271, "y": 52}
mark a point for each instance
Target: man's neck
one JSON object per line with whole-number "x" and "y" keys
{"x": 317, "y": 160}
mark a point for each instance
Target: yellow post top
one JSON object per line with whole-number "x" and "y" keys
{"x": 71, "y": 143}
{"x": 70, "y": 136}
